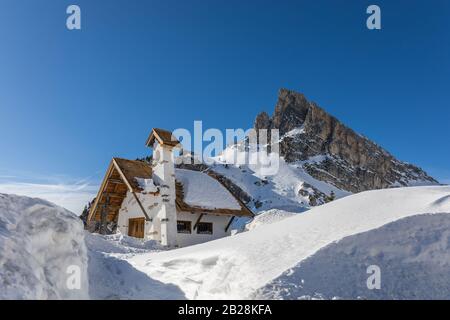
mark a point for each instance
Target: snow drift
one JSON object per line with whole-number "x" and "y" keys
{"x": 413, "y": 255}
{"x": 111, "y": 276}
{"x": 320, "y": 253}
{"x": 236, "y": 267}
{"x": 268, "y": 217}
{"x": 39, "y": 245}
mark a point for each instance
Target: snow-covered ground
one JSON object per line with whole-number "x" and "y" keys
{"x": 41, "y": 247}
{"x": 111, "y": 276}
{"x": 320, "y": 253}
{"x": 236, "y": 267}
{"x": 268, "y": 217}
{"x": 413, "y": 255}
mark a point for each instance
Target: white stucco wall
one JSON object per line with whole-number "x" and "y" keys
{"x": 130, "y": 209}
{"x": 219, "y": 224}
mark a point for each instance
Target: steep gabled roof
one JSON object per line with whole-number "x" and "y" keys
{"x": 202, "y": 192}
{"x": 132, "y": 169}
{"x": 164, "y": 137}
{"x": 120, "y": 178}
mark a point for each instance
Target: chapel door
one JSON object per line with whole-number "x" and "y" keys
{"x": 136, "y": 227}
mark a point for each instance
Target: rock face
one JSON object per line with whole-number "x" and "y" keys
{"x": 331, "y": 152}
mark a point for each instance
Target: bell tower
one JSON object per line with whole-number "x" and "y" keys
{"x": 163, "y": 166}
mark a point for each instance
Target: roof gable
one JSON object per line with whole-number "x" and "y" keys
{"x": 118, "y": 180}
{"x": 121, "y": 178}
{"x": 163, "y": 137}
{"x": 132, "y": 169}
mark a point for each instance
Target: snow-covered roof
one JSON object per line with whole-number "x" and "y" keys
{"x": 202, "y": 190}
{"x": 196, "y": 191}
{"x": 147, "y": 185}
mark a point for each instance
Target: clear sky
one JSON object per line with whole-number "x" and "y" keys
{"x": 70, "y": 100}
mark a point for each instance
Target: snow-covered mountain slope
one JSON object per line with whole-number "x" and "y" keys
{"x": 236, "y": 267}
{"x": 41, "y": 247}
{"x": 291, "y": 188}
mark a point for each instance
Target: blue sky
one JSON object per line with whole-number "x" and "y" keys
{"x": 70, "y": 100}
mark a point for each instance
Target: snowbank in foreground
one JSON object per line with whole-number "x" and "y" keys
{"x": 112, "y": 277}
{"x": 413, "y": 255}
{"x": 39, "y": 241}
{"x": 236, "y": 267}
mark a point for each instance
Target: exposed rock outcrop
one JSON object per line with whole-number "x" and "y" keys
{"x": 332, "y": 152}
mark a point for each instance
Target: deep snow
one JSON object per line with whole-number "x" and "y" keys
{"x": 320, "y": 253}
{"x": 39, "y": 244}
{"x": 111, "y": 276}
{"x": 236, "y": 267}
{"x": 268, "y": 217}
{"x": 413, "y": 255}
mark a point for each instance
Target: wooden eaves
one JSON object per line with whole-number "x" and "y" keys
{"x": 119, "y": 179}
{"x": 163, "y": 137}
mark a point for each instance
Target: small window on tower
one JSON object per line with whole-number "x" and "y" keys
{"x": 205, "y": 228}
{"x": 184, "y": 226}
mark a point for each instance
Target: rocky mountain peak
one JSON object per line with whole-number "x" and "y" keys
{"x": 290, "y": 112}
{"x": 347, "y": 160}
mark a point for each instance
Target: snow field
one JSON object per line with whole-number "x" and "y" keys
{"x": 236, "y": 267}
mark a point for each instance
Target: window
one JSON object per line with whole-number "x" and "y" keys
{"x": 205, "y": 228}
{"x": 184, "y": 226}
